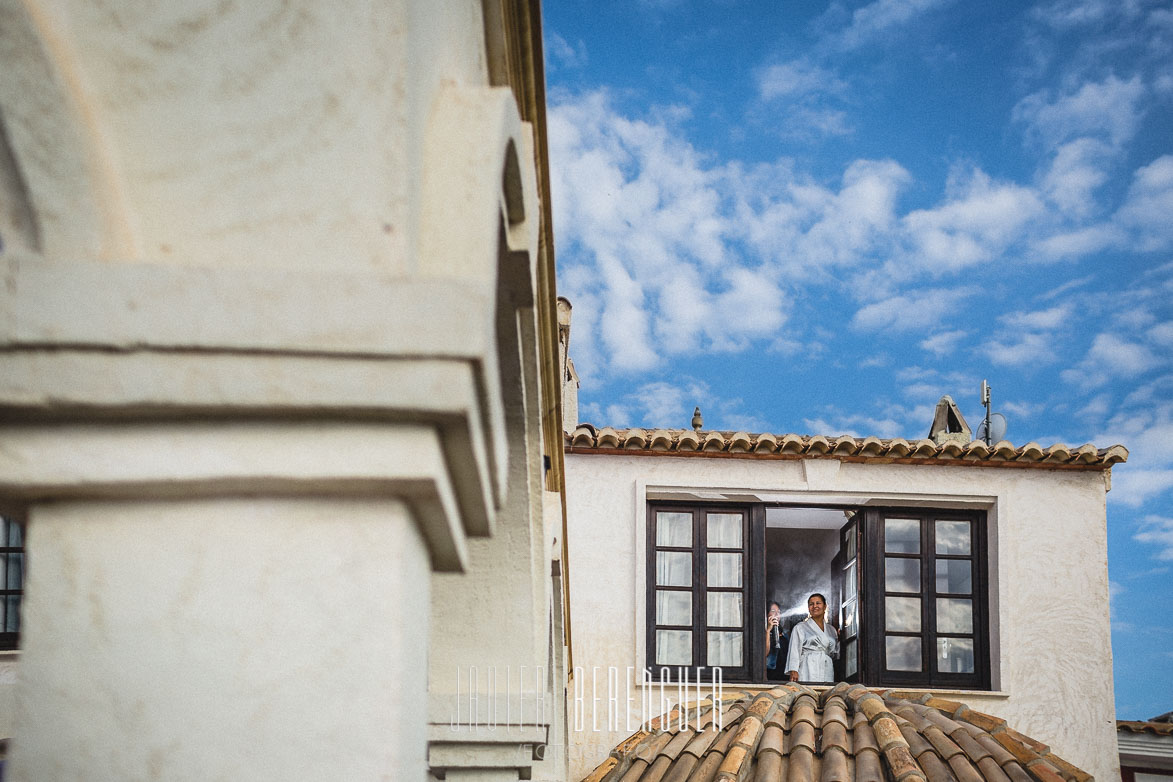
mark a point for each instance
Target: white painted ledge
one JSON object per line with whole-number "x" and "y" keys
{"x": 158, "y": 460}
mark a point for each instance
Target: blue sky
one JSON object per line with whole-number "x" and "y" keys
{"x": 819, "y": 217}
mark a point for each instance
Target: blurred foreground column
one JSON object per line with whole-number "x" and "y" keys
{"x": 272, "y": 323}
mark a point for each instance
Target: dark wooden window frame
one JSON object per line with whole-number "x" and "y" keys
{"x": 873, "y": 562}
{"x": 11, "y": 640}
{"x": 751, "y": 590}
{"x": 869, "y": 590}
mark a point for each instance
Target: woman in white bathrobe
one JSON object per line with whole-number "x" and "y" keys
{"x": 813, "y": 643}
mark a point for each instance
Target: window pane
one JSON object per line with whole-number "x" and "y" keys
{"x": 851, "y": 658}
{"x": 902, "y": 536}
{"x": 850, "y": 609}
{"x": 673, "y": 529}
{"x": 849, "y": 582}
{"x": 673, "y": 568}
{"x": 902, "y": 654}
{"x": 15, "y": 567}
{"x": 902, "y": 614}
{"x": 674, "y": 647}
{"x": 849, "y": 534}
{"x": 673, "y": 608}
{"x": 11, "y": 534}
{"x": 12, "y": 614}
{"x": 954, "y": 615}
{"x": 724, "y": 530}
{"x": 955, "y": 655}
{"x": 953, "y": 575}
{"x": 724, "y": 648}
{"x": 724, "y": 570}
{"x": 901, "y": 575}
{"x": 724, "y": 609}
{"x": 953, "y": 537}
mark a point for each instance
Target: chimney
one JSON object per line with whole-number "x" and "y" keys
{"x": 949, "y": 424}
{"x": 566, "y": 367}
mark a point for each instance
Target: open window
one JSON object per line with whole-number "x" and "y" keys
{"x": 906, "y": 589}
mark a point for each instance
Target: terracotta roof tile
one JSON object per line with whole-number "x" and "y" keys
{"x": 744, "y": 445}
{"x": 1140, "y": 726}
{"x": 845, "y": 734}
{"x": 992, "y": 771}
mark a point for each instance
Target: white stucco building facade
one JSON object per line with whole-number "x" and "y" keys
{"x": 1039, "y": 521}
{"x": 278, "y": 389}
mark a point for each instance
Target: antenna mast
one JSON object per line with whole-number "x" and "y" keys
{"x": 986, "y": 402}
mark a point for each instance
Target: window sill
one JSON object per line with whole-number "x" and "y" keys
{"x": 763, "y": 686}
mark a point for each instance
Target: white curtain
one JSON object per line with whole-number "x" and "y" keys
{"x": 724, "y": 530}
{"x": 673, "y": 568}
{"x": 724, "y": 570}
{"x": 673, "y": 608}
{"x": 674, "y": 529}
{"x": 725, "y": 648}
{"x": 674, "y": 647}
{"x": 724, "y": 609}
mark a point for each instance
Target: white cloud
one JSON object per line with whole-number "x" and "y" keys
{"x": 890, "y": 420}
{"x": 980, "y": 219}
{"x": 943, "y": 342}
{"x": 1097, "y": 407}
{"x": 1075, "y": 13}
{"x": 796, "y": 79}
{"x": 1119, "y": 356}
{"x": 1144, "y": 424}
{"x": 854, "y": 425}
{"x": 1021, "y": 409}
{"x": 1158, "y": 531}
{"x": 644, "y": 231}
{"x": 857, "y": 219}
{"x": 1162, "y": 334}
{"x": 1109, "y": 109}
{"x": 1114, "y": 589}
{"x": 669, "y": 405}
{"x": 1134, "y": 486}
{"x": 1026, "y": 336}
{"x": 920, "y": 309}
{"x": 1047, "y": 319}
{"x": 1021, "y": 350}
{"x": 624, "y": 324}
{"x": 1149, "y": 204}
{"x": 882, "y": 16}
{"x": 786, "y": 347}
{"x": 617, "y": 415}
{"x": 1110, "y": 358}
{"x": 1078, "y": 242}
{"x": 1077, "y": 170}
{"x": 813, "y": 122}
{"x": 1065, "y": 287}
{"x": 563, "y": 53}
{"x": 801, "y": 97}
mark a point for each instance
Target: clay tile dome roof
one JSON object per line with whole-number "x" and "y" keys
{"x": 845, "y": 734}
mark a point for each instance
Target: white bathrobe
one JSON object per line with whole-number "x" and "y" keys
{"x": 811, "y": 650}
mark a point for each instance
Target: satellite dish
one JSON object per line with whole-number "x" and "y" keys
{"x": 997, "y": 428}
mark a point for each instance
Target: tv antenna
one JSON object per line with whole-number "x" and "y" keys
{"x": 993, "y": 429}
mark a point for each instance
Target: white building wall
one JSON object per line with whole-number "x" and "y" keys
{"x": 1050, "y": 639}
